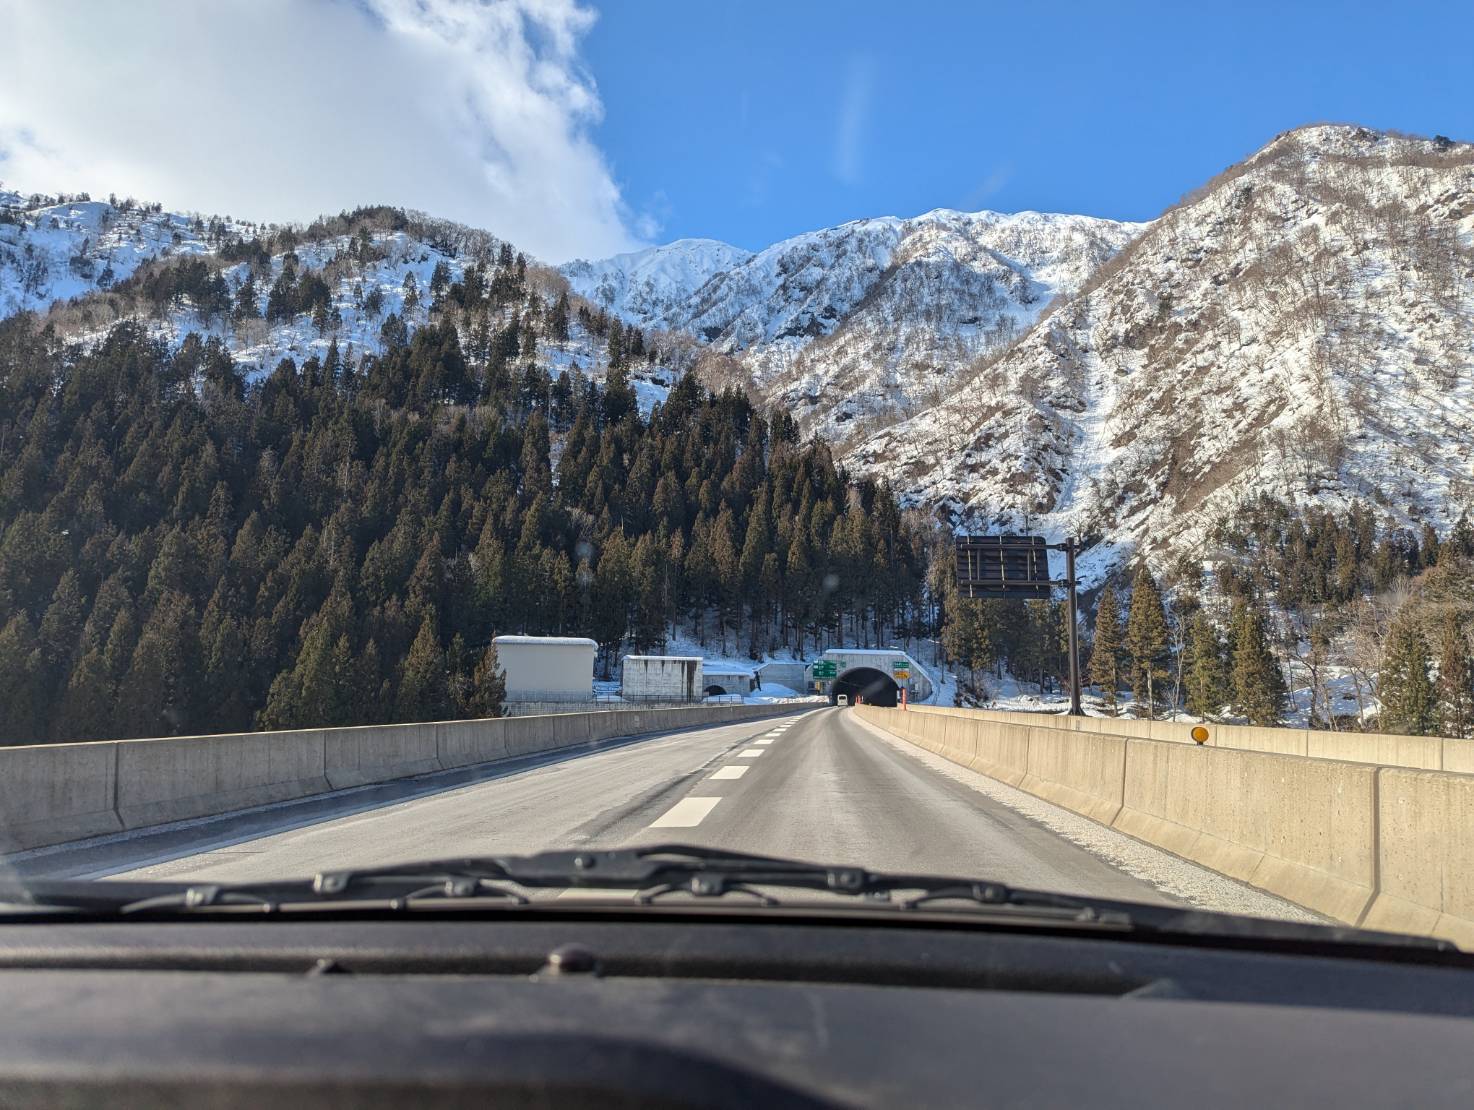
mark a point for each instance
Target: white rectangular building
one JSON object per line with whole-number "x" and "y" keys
{"x": 547, "y": 668}
{"x": 668, "y": 677}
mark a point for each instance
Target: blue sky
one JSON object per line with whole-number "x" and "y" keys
{"x": 575, "y": 130}
{"x": 756, "y": 120}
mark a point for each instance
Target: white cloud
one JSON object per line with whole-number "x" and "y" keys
{"x": 854, "y": 110}
{"x": 287, "y": 109}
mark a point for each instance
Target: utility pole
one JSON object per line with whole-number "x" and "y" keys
{"x": 1075, "y": 710}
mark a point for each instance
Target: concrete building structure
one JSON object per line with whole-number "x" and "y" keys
{"x": 723, "y": 678}
{"x": 661, "y": 677}
{"x": 547, "y": 668}
{"x": 792, "y": 675}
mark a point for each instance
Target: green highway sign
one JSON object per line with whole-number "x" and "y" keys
{"x": 901, "y": 668}
{"x": 826, "y": 668}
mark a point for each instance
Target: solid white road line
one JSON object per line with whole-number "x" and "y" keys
{"x": 685, "y": 814}
{"x": 731, "y": 771}
{"x": 749, "y": 753}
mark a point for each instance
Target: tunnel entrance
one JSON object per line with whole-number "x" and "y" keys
{"x": 713, "y": 691}
{"x": 872, "y": 686}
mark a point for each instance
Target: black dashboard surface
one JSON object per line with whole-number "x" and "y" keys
{"x": 349, "y": 1013}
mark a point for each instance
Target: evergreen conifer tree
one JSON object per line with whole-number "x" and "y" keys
{"x": 21, "y": 683}
{"x": 1146, "y": 642}
{"x": 424, "y": 693}
{"x": 159, "y": 694}
{"x": 488, "y": 686}
{"x": 1258, "y": 684}
{"x": 1455, "y": 682}
{"x": 1104, "y": 671}
{"x": 1207, "y": 675}
{"x": 1405, "y": 687}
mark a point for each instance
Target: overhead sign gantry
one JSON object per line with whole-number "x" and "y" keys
{"x": 1016, "y": 568}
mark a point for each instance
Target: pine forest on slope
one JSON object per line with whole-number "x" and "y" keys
{"x": 1287, "y": 345}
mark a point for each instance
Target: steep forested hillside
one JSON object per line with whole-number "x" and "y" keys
{"x": 184, "y": 551}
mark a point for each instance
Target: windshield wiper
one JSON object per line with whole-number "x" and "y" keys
{"x": 643, "y": 874}
{"x": 647, "y": 874}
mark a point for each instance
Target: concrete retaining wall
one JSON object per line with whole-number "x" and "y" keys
{"x": 53, "y": 793}
{"x": 1388, "y": 847}
{"x": 1432, "y": 753}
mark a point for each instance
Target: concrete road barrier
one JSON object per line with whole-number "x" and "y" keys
{"x": 466, "y": 743}
{"x": 48, "y": 796}
{"x": 54, "y": 793}
{"x": 1432, "y": 753}
{"x": 1425, "y": 752}
{"x": 359, "y": 756}
{"x": 194, "y": 776}
{"x": 1301, "y": 828}
{"x": 1389, "y": 847}
{"x": 1081, "y": 771}
{"x": 999, "y": 750}
{"x": 1425, "y": 854}
{"x": 1458, "y": 755}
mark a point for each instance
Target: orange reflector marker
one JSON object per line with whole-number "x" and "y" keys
{"x": 1200, "y": 734}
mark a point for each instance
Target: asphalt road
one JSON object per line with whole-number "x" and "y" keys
{"x": 820, "y": 785}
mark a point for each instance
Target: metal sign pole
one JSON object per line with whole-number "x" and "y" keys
{"x": 1075, "y": 710}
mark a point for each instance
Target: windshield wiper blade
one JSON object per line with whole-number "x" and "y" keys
{"x": 650, "y": 873}
{"x": 713, "y": 872}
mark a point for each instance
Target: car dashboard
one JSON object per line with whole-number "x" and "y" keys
{"x": 670, "y": 1009}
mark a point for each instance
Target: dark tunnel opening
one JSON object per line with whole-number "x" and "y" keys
{"x": 715, "y": 691}
{"x": 872, "y": 686}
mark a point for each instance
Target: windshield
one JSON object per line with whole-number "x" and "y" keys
{"x": 808, "y": 447}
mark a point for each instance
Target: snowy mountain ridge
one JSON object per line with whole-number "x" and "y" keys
{"x": 1300, "y": 326}
{"x": 649, "y": 287}
{"x": 57, "y": 252}
{"x": 873, "y": 316}
{"x": 76, "y": 262}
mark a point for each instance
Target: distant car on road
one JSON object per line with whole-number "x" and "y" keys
{"x": 842, "y": 699}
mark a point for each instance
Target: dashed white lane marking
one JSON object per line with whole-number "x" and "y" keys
{"x": 749, "y": 753}
{"x": 731, "y": 771}
{"x": 766, "y": 740}
{"x": 685, "y": 814}
{"x": 595, "y": 894}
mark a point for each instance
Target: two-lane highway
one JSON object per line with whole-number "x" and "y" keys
{"x": 819, "y": 785}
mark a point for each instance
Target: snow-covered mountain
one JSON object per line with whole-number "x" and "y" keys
{"x": 1303, "y": 325}
{"x": 58, "y": 251}
{"x": 871, "y": 317}
{"x": 651, "y": 287}
{"x": 87, "y": 264}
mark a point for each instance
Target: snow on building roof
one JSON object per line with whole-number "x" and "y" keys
{"x": 665, "y": 658}
{"x": 723, "y": 668}
{"x": 867, "y": 651}
{"x": 580, "y": 641}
